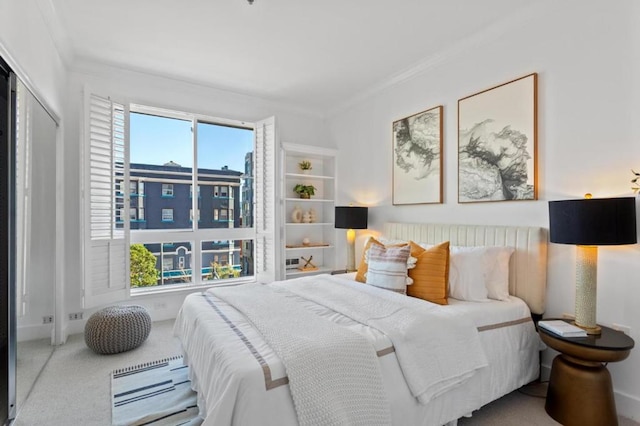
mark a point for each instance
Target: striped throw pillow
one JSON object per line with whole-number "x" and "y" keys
{"x": 387, "y": 267}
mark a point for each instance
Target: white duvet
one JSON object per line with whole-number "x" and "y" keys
{"x": 241, "y": 381}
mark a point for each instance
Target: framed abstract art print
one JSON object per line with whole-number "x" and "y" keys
{"x": 417, "y": 158}
{"x": 497, "y": 143}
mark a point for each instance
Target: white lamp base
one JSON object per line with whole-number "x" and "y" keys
{"x": 586, "y": 288}
{"x": 351, "y": 250}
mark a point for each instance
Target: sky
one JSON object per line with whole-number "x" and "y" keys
{"x": 158, "y": 140}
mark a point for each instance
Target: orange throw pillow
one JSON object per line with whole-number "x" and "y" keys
{"x": 431, "y": 273}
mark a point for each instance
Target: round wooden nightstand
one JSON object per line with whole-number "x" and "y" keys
{"x": 580, "y": 390}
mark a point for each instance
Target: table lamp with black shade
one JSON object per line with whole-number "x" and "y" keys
{"x": 588, "y": 223}
{"x": 351, "y": 218}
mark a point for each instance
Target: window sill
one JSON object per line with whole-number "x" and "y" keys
{"x": 181, "y": 288}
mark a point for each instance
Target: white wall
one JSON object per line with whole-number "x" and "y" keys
{"x": 26, "y": 44}
{"x": 292, "y": 126}
{"x": 586, "y": 57}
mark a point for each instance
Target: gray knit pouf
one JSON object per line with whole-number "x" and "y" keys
{"x": 117, "y": 329}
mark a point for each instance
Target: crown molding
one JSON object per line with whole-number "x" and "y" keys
{"x": 96, "y": 67}
{"x": 57, "y": 33}
{"x": 455, "y": 50}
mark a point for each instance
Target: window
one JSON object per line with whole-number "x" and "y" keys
{"x": 191, "y": 191}
{"x": 167, "y": 190}
{"x": 181, "y": 262}
{"x": 251, "y": 249}
{"x": 191, "y": 214}
{"x": 167, "y": 263}
{"x": 167, "y": 215}
{"x": 132, "y": 214}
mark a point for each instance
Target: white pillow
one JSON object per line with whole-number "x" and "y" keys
{"x": 498, "y": 279}
{"x": 387, "y": 267}
{"x": 468, "y": 272}
{"x": 479, "y": 273}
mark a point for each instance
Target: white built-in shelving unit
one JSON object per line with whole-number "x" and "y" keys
{"x": 321, "y": 234}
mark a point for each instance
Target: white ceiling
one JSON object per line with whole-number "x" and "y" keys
{"x": 310, "y": 54}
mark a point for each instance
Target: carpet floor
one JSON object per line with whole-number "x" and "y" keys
{"x": 75, "y": 388}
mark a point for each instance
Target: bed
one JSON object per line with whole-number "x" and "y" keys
{"x": 241, "y": 380}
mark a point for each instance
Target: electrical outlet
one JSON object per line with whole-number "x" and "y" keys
{"x": 624, "y": 328}
{"x": 75, "y": 316}
{"x": 47, "y": 319}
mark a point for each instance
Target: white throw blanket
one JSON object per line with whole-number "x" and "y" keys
{"x": 334, "y": 375}
{"x": 436, "y": 349}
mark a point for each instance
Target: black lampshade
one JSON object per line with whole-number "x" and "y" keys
{"x": 593, "y": 222}
{"x": 349, "y": 217}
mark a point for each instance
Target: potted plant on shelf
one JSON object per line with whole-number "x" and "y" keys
{"x": 304, "y": 191}
{"x": 305, "y": 166}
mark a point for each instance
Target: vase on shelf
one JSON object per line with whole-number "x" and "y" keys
{"x": 296, "y": 215}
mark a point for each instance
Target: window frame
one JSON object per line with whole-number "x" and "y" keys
{"x": 112, "y": 254}
{"x": 195, "y": 234}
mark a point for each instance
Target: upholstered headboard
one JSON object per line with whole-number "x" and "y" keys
{"x": 528, "y": 265}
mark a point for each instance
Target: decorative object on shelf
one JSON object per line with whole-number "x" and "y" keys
{"x": 306, "y": 241}
{"x": 296, "y": 215}
{"x": 635, "y": 181}
{"x": 313, "y": 216}
{"x": 304, "y": 191}
{"x": 417, "y": 158}
{"x": 306, "y": 217}
{"x": 351, "y": 218}
{"x": 305, "y": 166}
{"x": 588, "y": 223}
{"x": 308, "y": 265}
{"x": 497, "y": 140}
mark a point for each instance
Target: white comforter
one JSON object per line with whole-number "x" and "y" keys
{"x": 333, "y": 372}
{"x": 242, "y": 381}
{"x": 437, "y": 349}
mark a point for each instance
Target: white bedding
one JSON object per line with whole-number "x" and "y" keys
{"x": 241, "y": 381}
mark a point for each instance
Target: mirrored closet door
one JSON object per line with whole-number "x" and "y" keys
{"x": 27, "y": 240}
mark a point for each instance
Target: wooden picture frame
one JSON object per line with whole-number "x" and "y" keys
{"x": 417, "y": 158}
{"x": 497, "y": 143}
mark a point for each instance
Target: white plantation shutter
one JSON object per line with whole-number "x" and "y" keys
{"x": 106, "y": 262}
{"x": 266, "y": 208}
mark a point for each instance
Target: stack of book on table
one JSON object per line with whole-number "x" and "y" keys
{"x": 562, "y": 328}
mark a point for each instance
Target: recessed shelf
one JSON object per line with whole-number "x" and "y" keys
{"x": 304, "y": 176}
{"x": 296, "y": 272}
{"x": 310, "y": 224}
{"x": 301, "y": 247}
{"x": 312, "y": 200}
